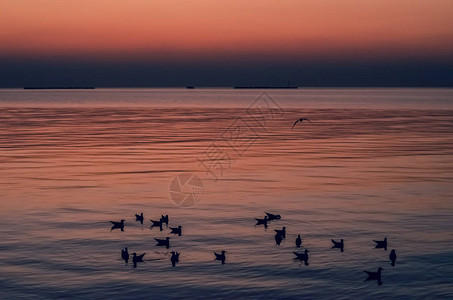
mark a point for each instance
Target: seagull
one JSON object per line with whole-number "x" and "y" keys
{"x": 164, "y": 219}
{"x": 301, "y": 120}
{"x": 125, "y": 255}
{"x": 298, "y": 241}
{"x": 381, "y": 244}
{"x": 302, "y": 256}
{"x": 392, "y": 257}
{"x": 116, "y": 225}
{"x": 221, "y": 256}
{"x": 139, "y": 218}
{"x": 165, "y": 242}
{"x": 174, "y": 258}
{"x": 273, "y": 217}
{"x": 282, "y": 232}
{"x": 156, "y": 224}
{"x": 136, "y": 259}
{"x": 262, "y": 221}
{"x": 176, "y": 230}
{"x": 339, "y": 245}
{"x": 374, "y": 275}
{"x": 278, "y": 238}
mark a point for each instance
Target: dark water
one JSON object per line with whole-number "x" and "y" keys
{"x": 377, "y": 163}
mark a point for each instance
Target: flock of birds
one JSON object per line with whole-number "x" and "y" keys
{"x": 280, "y": 235}
{"x": 160, "y": 242}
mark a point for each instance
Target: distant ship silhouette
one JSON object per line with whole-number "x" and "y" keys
{"x": 59, "y": 88}
{"x": 266, "y": 87}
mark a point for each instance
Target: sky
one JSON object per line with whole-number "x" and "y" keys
{"x": 226, "y": 42}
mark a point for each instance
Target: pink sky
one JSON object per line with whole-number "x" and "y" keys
{"x": 179, "y": 29}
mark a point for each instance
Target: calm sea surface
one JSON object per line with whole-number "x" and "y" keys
{"x": 376, "y": 163}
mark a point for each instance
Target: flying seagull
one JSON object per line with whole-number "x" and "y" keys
{"x": 301, "y": 120}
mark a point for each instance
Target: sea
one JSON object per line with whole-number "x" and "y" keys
{"x": 368, "y": 164}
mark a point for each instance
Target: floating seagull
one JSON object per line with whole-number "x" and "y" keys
{"x": 125, "y": 255}
{"x": 298, "y": 241}
{"x": 116, "y": 225}
{"x": 374, "y": 275}
{"x": 262, "y": 221}
{"x": 174, "y": 258}
{"x": 164, "y": 219}
{"x": 176, "y": 230}
{"x": 392, "y": 257}
{"x": 221, "y": 256}
{"x": 301, "y": 120}
{"x": 136, "y": 259}
{"x": 156, "y": 224}
{"x": 139, "y": 218}
{"x": 381, "y": 244}
{"x": 282, "y": 232}
{"x": 165, "y": 242}
{"x": 278, "y": 238}
{"x": 273, "y": 217}
{"x": 339, "y": 245}
{"x": 302, "y": 256}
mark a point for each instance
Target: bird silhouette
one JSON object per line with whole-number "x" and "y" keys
{"x": 262, "y": 221}
{"x": 221, "y": 256}
{"x": 164, "y": 219}
{"x": 392, "y": 257}
{"x": 156, "y": 224}
{"x": 165, "y": 242}
{"x": 278, "y": 238}
{"x": 139, "y": 218}
{"x": 174, "y": 258}
{"x": 301, "y": 120}
{"x": 374, "y": 275}
{"x": 273, "y": 217}
{"x": 302, "y": 256}
{"x": 117, "y": 225}
{"x": 381, "y": 244}
{"x": 339, "y": 245}
{"x": 125, "y": 255}
{"x": 298, "y": 241}
{"x": 176, "y": 230}
{"x": 282, "y": 232}
{"x": 137, "y": 258}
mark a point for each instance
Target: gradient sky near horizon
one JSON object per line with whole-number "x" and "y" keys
{"x": 221, "y": 33}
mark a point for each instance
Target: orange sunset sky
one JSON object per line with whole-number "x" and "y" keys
{"x": 201, "y": 29}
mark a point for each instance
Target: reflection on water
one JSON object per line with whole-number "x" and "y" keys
{"x": 359, "y": 173}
